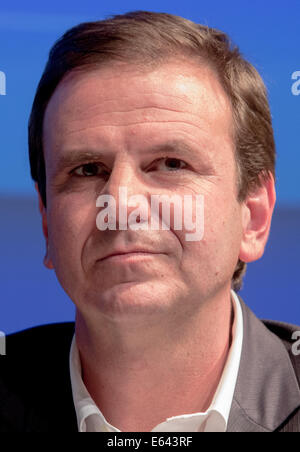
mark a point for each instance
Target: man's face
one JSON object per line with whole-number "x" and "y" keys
{"x": 119, "y": 127}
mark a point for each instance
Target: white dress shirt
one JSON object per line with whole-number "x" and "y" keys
{"x": 90, "y": 418}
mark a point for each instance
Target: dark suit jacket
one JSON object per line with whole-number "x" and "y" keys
{"x": 36, "y": 395}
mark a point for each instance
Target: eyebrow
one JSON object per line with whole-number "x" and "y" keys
{"x": 172, "y": 147}
{"x": 79, "y": 157}
{"x": 76, "y": 158}
{"x": 184, "y": 150}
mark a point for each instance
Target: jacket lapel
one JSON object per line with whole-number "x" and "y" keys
{"x": 267, "y": 390}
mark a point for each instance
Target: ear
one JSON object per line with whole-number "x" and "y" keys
{"x": 257, "y": 211}
{"x": 47, "y": 260}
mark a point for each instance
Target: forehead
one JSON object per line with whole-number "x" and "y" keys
{"x": 87, "y": 106}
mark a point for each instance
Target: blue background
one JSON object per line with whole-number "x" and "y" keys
{"x": 268, "y": 35}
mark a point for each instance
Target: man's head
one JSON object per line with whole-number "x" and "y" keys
{"x": 160, "y": 52}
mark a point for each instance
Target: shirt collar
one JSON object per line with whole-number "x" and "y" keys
{"x": 90, "y": 418}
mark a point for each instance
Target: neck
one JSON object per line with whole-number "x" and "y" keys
{"x": 155, "y": 367}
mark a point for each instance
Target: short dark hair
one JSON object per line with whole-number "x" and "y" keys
{"x": 149, "y": 38}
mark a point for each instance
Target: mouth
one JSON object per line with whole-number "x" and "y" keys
{"x": 133, "y": 255}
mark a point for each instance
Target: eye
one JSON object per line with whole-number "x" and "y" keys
{"x": 168, "y": 164}
{"x": 90, "y": 170}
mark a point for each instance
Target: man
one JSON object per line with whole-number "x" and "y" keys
{"x": 151, "y": 104}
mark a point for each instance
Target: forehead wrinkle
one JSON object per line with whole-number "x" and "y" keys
{"x": 128, "y": 124}
{"x": 202, "y": 123}
{"x": 150, "y": 94}
{"x": 146, "y": 110}
{"x": 88, "y": 109}
{"x": 100, "y": 105}
{"x": 148, "y": 107}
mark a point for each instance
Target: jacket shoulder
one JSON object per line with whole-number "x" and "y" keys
{"x": 40, "y": 339}
{"x": 289, "y": 334}
{"x": 35, "y": 389}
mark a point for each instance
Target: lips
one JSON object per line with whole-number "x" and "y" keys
{"x": 128, "y": 252}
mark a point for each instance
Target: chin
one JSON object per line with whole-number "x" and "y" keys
{"x": 130, "y": 300}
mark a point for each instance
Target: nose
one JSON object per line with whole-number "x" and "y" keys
{"x": 127, "y": 195}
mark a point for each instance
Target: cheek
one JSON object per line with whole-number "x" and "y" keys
{"x": 216, "y": 254}
{"x": 69, "y": 224}
{"x": 223, "y": 238}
